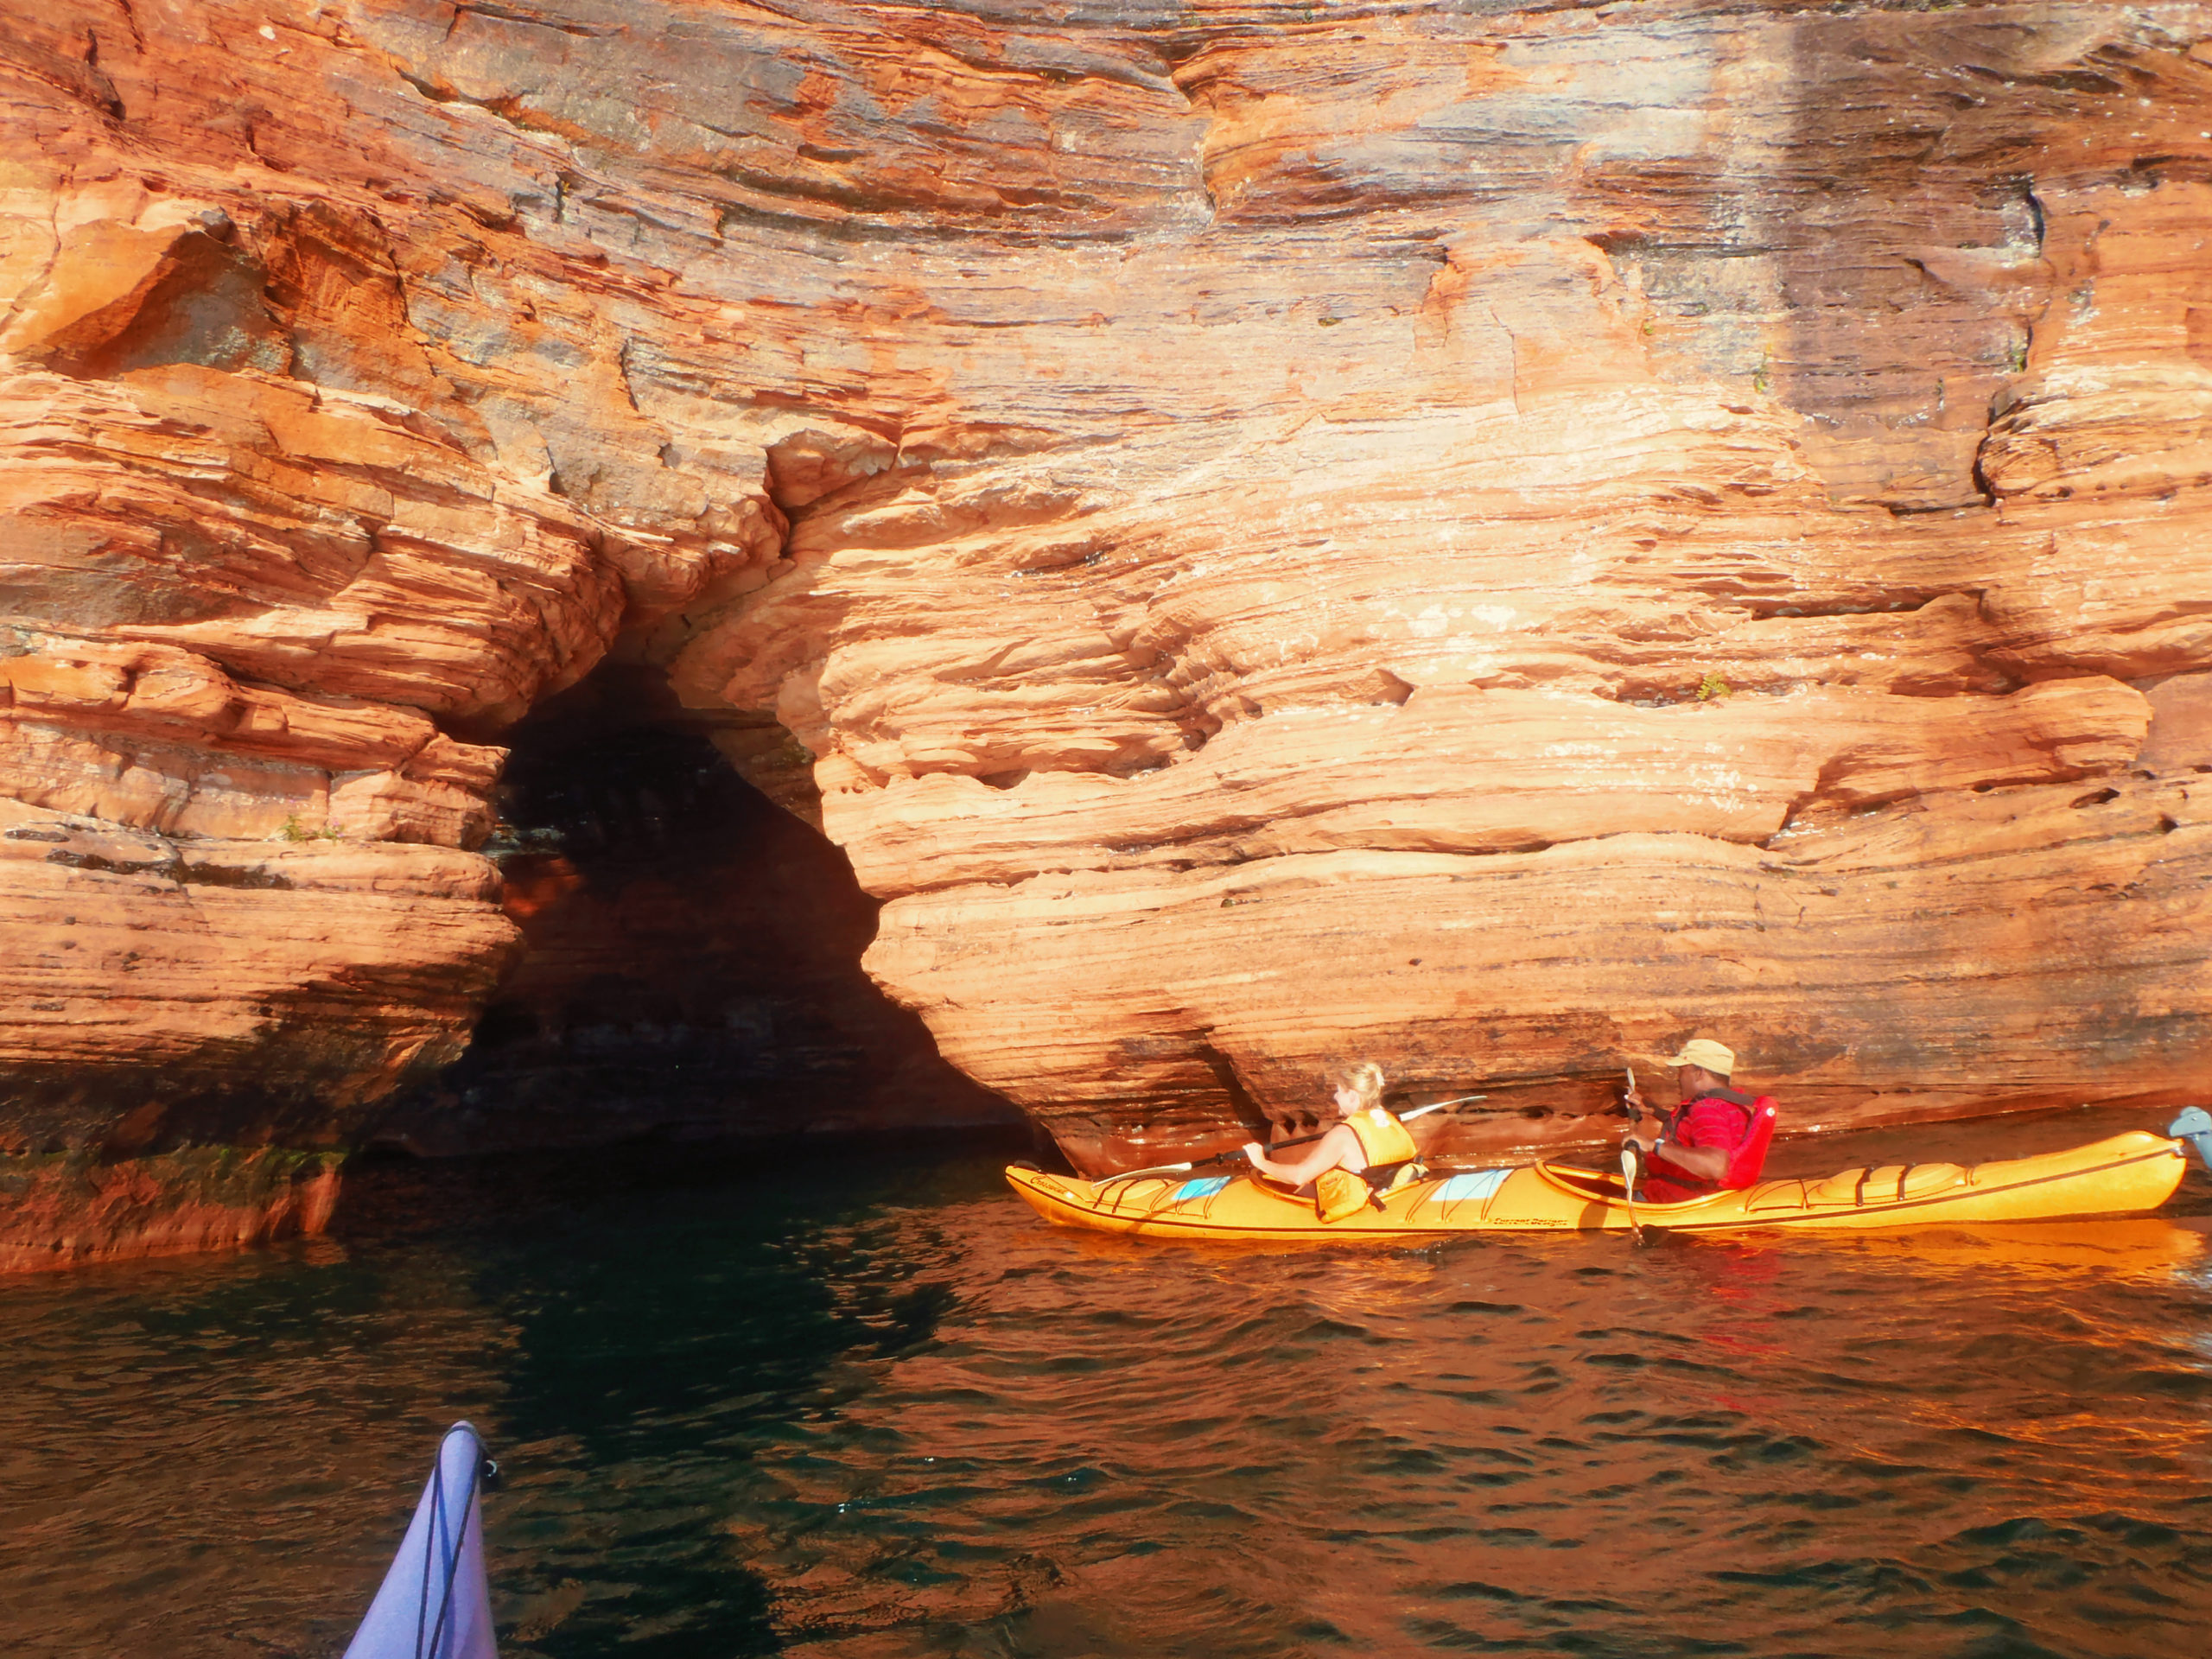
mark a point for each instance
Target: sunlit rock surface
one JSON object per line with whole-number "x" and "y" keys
{"x": 1486, "y": 538}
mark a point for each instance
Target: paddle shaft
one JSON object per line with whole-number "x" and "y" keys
{"x": 1280, "y": 1146}
{"x": 1629, "y": 1161}
{"x": 1308, "y": 1139}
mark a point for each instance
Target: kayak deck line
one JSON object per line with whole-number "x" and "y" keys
{"x": 2126, "y": 1175}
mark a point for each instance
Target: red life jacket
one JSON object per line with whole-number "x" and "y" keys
{"x": 1745, "y": 1159}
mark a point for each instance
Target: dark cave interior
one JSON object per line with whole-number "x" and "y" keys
{"x": 692, "y": 957}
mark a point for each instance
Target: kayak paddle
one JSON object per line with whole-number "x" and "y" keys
{"x": 2195, "y": 1126}
{"x": 1628, "y": 1161}
{"x": 1279, "y": 1145}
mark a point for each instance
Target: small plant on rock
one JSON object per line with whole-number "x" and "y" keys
{"x": 1711, "y": 689}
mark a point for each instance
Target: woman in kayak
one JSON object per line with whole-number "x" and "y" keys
{"x": 1337, "y": 1164}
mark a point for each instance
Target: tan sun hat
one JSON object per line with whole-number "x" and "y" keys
{"x": 1703, "y": 1051}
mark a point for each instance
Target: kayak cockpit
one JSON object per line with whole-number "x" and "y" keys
{"x": 1583, "y": 1183}
{"x": 1604, "y": 1186}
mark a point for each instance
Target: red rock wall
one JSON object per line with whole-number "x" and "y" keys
{"x": 72, "y": 1212}
{"x": 1238, "y": 502}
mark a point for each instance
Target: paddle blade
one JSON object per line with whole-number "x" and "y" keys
{"x": 2195, "y": 1126}
{"x": 434, "y": 1603}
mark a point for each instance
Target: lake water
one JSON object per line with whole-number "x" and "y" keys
{"x": 877, "y": 1409}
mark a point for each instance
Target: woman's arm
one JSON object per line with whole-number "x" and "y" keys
{"x": 1339, "y": 1147}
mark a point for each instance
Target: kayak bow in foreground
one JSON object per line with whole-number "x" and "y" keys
{"x": 2128, "y": 1174}
{"x": 434, "y": 1603}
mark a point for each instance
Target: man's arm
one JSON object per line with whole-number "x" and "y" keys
{"x": 1708, "y": 1163}
{"x": 1705, "y": 1162}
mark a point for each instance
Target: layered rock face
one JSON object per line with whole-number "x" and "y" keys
{"x": 1489, "y": 539}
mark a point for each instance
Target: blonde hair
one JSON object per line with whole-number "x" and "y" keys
{"x": 1364, "y": 1080}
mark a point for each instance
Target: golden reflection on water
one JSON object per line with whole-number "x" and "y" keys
{"x": 878, "y": 1412}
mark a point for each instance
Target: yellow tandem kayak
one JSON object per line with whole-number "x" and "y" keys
{"x": 2125, "y": 1175}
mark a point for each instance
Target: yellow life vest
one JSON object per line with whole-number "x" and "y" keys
{"x": 1383, "y": 1140}
{"x": 1382, "y": 1137}
{"x": 1339, "y": 1193}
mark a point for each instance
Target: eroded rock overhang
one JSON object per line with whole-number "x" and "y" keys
{"x": 1238, "y": 506}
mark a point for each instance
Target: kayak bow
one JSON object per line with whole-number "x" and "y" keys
{"x": 434, "y": 1602}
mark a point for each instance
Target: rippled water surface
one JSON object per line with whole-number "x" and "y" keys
{"x": 879, "y": 1410}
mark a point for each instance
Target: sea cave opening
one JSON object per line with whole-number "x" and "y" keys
{"x": 691, "y": 963}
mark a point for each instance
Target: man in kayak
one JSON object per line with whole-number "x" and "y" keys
{"x": 1369, "y": 1137}
{"x": 1688, "y": 1155}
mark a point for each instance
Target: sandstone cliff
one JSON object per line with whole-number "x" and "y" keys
{"x": 1489, "y": 537}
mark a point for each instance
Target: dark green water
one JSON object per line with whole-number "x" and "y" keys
{"x": 879, "y": 1410}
